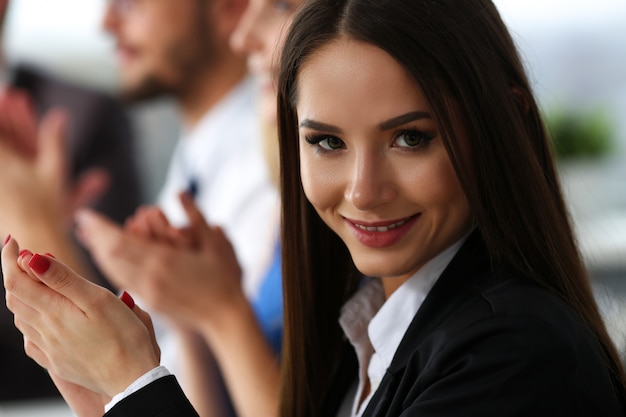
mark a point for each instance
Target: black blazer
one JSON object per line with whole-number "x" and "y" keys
{"x": 484, "y": 343}
{"x": 99, "y": 135}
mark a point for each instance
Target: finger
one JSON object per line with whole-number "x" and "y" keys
{"x": 147, "y": 321}
{"x": 24, "y": 122}
{"x": 144, "y": 318}
{"x": 17, "y": 121}
{"x": 95, "y": 227}
{"x": 10, "y": 249}
{"x": 163, "y": 231}
{"x": 139, "y": 224}
{"x": 157, "y": 223}
{"x": 183, "y": 238}
{"x": 89, "y": 188}
{"x": 119, "y": 255}
{"x": 196, "y": 218}
{"x": 26, "y": 296}
{"x": 52, "y": 137}
{"x": 23, "y": 315}
{"x": 62, "y": 280}
{"x": 35, "y": 353}
{"x": 12, "y": 269}
{"x": 28, "y": 331}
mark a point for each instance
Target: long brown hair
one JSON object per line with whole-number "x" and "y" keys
{"x": 462, "y": 56}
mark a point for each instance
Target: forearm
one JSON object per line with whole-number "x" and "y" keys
{"x": 199, "y": 375}
{"x": 249, "y": 367}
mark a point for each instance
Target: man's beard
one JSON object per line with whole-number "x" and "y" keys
{"x": 150, "y": 88}
{"x": 187, "y": 60}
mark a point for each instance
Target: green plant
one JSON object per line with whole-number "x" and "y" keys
{"x": 576, "y": 134}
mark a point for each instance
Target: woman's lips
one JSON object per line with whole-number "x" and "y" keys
{"x": 381, "y": 234}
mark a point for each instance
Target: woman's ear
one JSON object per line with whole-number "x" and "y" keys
{"x": 522, "y": 98}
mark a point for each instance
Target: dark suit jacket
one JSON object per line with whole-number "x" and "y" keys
{"x": 484, "y": 344}
{"x": 99, "y": 135}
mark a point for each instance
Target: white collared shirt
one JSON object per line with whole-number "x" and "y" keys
{"x": 375, "y": 327}
{"x": 223, "y": 154}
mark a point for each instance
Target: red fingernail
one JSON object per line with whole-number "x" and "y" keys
{"x": 7, "y": 240}
{"x": 39, "y": 264}
{"x": 127, "y": 299}
{"x": 50, "y": 255}
{"x": 25, "y": 252}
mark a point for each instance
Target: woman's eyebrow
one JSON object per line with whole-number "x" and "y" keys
{"x": 315, "y": 125}
{"x": 402, "y": 119}
{"x": 386, "y": 125}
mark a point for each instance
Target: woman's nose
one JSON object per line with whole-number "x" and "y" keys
{"x": 370, "y": 183}
{"x": 245, "y": 38}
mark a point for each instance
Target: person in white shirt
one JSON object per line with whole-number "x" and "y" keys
{"x": 181, "y": 50}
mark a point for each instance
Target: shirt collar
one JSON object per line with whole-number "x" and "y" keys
{"x": 375, "y": 326}
{"x": 392, "y": 320}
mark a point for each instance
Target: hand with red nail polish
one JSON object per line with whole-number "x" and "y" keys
{"x": 77, "y": 330}
{"x": 206, "y": 297}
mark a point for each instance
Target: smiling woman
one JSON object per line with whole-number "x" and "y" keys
{"x": 472, "y": 302}
{"x": 373, "y": 163}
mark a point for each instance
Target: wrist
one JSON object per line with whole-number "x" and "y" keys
{"x": 227, "y": 321}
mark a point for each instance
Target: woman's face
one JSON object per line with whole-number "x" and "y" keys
{"x": 373, "y": 163}
{"x": 260, "y": 35}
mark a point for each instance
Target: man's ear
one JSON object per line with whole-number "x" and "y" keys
{"x": 522, "y": 98}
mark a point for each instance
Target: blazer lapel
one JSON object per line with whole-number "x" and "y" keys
{"x": 460, "y": 280}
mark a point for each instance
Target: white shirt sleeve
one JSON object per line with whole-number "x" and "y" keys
{"x": 142, "y": 381}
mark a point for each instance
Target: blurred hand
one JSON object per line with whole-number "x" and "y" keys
{"x": 80, "y": 332}
{"x": 33, "y": 186}
{"x": 190, "y": 275}
{"x": 18, "y": 124}
{"x": 34, "y": 179}
{"x": 152, "y": 224}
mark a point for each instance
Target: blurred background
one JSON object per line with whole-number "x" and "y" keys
{"x": 574, "y": 51}
{"x": 64, "y": 37}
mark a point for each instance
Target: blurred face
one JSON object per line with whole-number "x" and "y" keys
{"x": 161, "y": 45}
{"x": 373, "y": 164}
{"x": 3, "y": 11}
{"x": 260, "y": 36}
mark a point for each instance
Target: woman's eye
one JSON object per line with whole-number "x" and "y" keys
{"x": 327, "y": 143}
{"x": 412, "y": 139}
{"x": 331, "y": 143}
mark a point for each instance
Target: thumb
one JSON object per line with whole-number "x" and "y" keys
{"x": 197, "y": 222}
{"x": 91, "y": 185}
{"x": 91, "y": 226}
{"x": 60, "y": 278}
{"x": 145, "y": 319}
